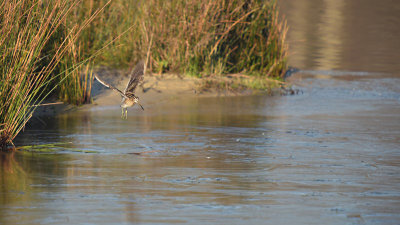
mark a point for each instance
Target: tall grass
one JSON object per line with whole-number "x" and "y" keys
{"x": 214, "y": 36}
{"x": 76, "y": 80}
{"x": 28, "y": 57}
{"x": 196, "y": 37}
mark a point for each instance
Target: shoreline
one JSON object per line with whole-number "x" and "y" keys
{"x": 153, "y": 88}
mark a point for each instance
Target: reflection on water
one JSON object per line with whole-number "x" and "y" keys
{"x": 356, "y": 35}
{"x": 327, "y": 156}
{"x": 19, "y": 172}
{"x": 214, "y": 160}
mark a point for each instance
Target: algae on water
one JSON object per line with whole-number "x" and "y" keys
{"x": 52, "y": 148}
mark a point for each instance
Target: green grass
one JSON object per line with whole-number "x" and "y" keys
{"x": 236, "y": 83}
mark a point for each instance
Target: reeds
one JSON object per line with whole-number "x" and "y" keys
{"x": 29, "y": 54}
{"x": 191, "y": 36}
{"x": 202, "y": 37}
{"x": 75, "y": 76}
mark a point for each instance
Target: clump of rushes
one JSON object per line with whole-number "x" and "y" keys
{"x": 212, "y": 36}
{"x": 26, "y": 28}
{"x": 76, "y": 80}
{"x": 75, "y": 77}
{"x": 195, "y": 37}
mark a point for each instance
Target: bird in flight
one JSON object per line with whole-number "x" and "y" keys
{"x": 129, "y": 98}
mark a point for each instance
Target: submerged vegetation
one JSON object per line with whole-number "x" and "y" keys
{"x": 52, "y": 148}
{"x": 49, "y": 46}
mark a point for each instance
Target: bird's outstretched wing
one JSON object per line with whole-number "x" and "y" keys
{"x": 109, "y": 86}
{"x": 136, "y": 76}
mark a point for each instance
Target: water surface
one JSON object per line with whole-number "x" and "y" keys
{"x": 354, "y": 35}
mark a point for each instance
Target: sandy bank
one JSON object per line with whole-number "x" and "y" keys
{"x": 153, "y": 89}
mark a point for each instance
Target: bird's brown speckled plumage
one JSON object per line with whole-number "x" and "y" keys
{"x": 129, "y": 98}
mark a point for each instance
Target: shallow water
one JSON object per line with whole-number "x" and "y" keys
{"x": 329, "y": 155}
{"x": 355, "y": 35}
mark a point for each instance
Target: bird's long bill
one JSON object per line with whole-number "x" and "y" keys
{"x": 141, "y": 106}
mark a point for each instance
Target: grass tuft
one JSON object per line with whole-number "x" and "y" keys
{"x": 237, "y": 83}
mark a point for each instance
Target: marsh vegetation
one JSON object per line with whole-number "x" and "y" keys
{"x": 52, "y": 47}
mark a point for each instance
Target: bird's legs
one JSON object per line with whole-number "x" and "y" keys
{"x": 123, "y": 113}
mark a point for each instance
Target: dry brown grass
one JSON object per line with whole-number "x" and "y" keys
{"x": 191, "y": 36}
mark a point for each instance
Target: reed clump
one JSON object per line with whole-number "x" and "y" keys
{"x": 198, "y": 38}
{"x": 215, "y": 36}
{"x": 75, "y": 69}
{"x": 25, "y": 28}
{"x": 189, "y": 36}
{"x": 30, "y": 53}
